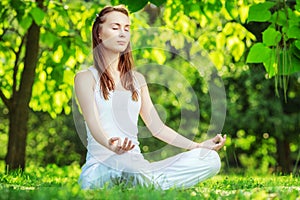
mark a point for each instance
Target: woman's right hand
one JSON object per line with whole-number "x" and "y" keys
{"x": 115, "y": 144}
{"x": 215, "y": 143}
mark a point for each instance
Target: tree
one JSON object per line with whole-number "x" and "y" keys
{"x": 279, "y": 47}
{"x": 42, "y": 81}
{"x": 17, "y": 104}
{"x": 39, "y": 56}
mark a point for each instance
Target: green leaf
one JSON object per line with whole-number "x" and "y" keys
{"x": 26, "y": 22}
{"x": 37, "y": 15}
{"x": 48, "y": 38}
{"x": 58, "y": 54}
{"x": 297, "y": 44}
{"x": 295, "y": 64}
{"x": 292, "y": 66}
{"x": 158, "y": 2}
{"x": 4, "y": 13}
{"x": 134, "y": 5}
{"x": 237, "y": 50}
{"x": 271, "y": 37}
{"x": 231, "y": 8}
{"x": 295, "y": 49}
{"x": 258, "y": 53}
{"x": 270, "y": 63}
{"x": 159, "y": 56}
{"x": 114, "y": 2}
{"x": 294, "y": 32}
{"x": 177, "y": 41}
{"x": 174, "y": 11}
{"x": 297, "y": 6}
{"x": 217, "y": 58}
{"x": 20, "y": 7}
{"x": 260, "y": 12}
{"x": 279, "y": 18}
{"x": 243, "y": 13}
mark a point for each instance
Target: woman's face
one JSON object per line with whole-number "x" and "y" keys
{"x": 115, "y": 32}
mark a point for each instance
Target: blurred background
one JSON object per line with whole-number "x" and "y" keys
{"x": 254, "y": 46}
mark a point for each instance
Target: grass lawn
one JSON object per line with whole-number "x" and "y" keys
{"x": 55, "y": 182}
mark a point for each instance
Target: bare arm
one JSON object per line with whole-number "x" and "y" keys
{"x": 156, "y": 126}
{"x": 84, "y": 89}
{"x": 165, "y": 133}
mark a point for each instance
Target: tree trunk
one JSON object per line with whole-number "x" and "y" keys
{"x": 283, "y": 156}
{"x": 19, "y": 109}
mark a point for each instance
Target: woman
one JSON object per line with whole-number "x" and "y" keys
{"x": 111, "y": 97}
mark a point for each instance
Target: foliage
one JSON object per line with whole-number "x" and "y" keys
{"x": 64, "y": 46}
{"x": 53, "y": 182}
{"x": 258, "y": 120}
{"x": 28, "y": 78}
{"x": 53, "y": 141}
{"x": 279, "y": 50}
{"x": 135, "y": 6}
{"x": 254, "y": 121}
{"x": 216, "y": 27}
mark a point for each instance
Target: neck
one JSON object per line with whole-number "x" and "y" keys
{"x": 113, "y": 66}
{"x": 113, "y": 61}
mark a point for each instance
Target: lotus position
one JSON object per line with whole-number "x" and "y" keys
{"x": 111, "y": 97}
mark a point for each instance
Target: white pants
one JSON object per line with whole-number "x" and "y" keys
{"x": 180, "y": 171}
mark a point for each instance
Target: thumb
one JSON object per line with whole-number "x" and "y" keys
{"x": 113, "y": 139}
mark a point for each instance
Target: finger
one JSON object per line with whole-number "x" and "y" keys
{"x": 224, "y": 139}
{"x": 119, "y": 150}
{"x": 216, "y": 147}
{"x": 217, "y": 138}
{"x": 124, "y": 146}
{"x": 220, "y": 139}
{"x": 128, "y": 145}
{"x": 220, "y": 145}
{"x": 112, "y": 140}
{"x": 119, "y": 143}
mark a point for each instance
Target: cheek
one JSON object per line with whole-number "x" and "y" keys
{"x": 127, "y": 35}
{"x": 108, "y": 34}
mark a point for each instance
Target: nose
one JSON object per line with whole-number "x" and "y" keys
{"x": 122, "y": 33}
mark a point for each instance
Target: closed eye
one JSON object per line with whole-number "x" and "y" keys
{"x": 117, "y": 26}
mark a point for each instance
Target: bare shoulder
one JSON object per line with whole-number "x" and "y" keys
{"x": 83, "y": 76}
{"x": 139, "y": 78}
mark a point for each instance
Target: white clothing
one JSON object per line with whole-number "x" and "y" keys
{"x": 119, "y": 117}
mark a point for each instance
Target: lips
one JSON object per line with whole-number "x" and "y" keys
{"x": 122, "y": 42}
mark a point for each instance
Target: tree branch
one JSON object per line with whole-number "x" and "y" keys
{"x": 6, "y": 29}
{"x": 5, "y": 100}
{"x": 16, "y": 67}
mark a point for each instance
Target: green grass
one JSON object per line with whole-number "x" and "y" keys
{"x": 55, "y": 182}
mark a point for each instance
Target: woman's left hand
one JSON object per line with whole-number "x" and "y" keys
{"x": 216, "y": 143}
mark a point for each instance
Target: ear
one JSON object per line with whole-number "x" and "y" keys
{"x": 99, "y": 35}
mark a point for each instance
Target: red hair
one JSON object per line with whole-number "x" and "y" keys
{"x": 125, "y": 64}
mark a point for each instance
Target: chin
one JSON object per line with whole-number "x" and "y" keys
{"x": 120, "y": 50}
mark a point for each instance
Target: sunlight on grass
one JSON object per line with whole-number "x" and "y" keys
{"x": 53, "y": 182}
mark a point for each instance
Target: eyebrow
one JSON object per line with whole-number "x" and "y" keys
{"x": 116, "y": 23}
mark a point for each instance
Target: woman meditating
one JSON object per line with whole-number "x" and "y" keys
{"x": 112, "y": 97}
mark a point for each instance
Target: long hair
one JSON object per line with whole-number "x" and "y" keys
{"x": 125, "y": 64}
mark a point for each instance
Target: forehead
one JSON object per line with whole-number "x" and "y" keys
{"x": 117, "y": 17}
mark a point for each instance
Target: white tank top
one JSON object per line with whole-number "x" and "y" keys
{"x": 118, "y": 116}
